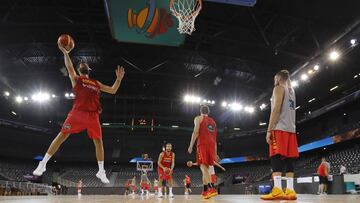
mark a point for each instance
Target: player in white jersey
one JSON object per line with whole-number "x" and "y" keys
{"x": 281, "y": 137}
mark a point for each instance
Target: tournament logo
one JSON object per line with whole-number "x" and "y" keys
{"x": 211, "y": 128}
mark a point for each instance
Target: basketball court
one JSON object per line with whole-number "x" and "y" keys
{"x": 202, "y": 72}
{"x": 177, "y": 199}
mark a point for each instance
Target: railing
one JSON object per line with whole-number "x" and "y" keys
{"x": 26, "y": 186}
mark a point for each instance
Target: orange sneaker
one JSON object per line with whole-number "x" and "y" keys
{"x": 290, "y": 194}
{"x": 206, "y": 194}
{"x": 275, "y": 194}
{"x": 213, "y": 192}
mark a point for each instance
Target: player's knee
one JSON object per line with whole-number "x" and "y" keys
{"x": 276, "y": 163}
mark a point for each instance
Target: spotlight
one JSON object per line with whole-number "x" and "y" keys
{"x": 262, "y": 106}
{"x": 262, "y": 123}
{"x": 72, "y": 95}
{"x": 249, "y": 109}
{"x": 67, "y": 95}
{"x": 53, "y": 95}
{"x": 6, "y": 93}
{"x": 13, "y": 112}
{"x": 174, "y": 126}
{"x": 334, "y": 88}
{"x": 304, "y": 77}
{"x": 236, "y": 106}
{"x": 311, "y": 100}
{"x": 355, "y": 76}
{"x": 224, "y": 104}
{"x": 212, "y": 102}
{"x": 310, "y": 72}
{"x": 26, "y": 98}
{"x": 40, "y": 97}
{"x": 353, "y": 42}
{"x": 334, "y": 55}
{"x": 316, "y": 67}
{"x": 294, "y": 83}
{"x": 191, "y": 99}
{"x": 298, "y": 107}
{"x": 19, "y": 99}
{"x": 236, "y": 129}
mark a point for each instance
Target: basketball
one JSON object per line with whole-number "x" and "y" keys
{"x": 66, "y": 41}
{"x": 167, "y": 171}
{"x": 189, "y": 163}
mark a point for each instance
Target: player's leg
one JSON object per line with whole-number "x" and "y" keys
{"x": 160, "y": 187}
{"x": 170, "y": 180}
{"x": 206, "y": 176}
{"x": 277, "y": 149}
{"x": 54, "y": 146}
{"x": 99, "y": 148}
{"x": 291, "y": 156}
{"x": 290, "y": 191}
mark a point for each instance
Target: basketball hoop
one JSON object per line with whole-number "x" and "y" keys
{"x": 186, "y": 12}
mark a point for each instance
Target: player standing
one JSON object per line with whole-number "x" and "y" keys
{"x": 166, "y": 164}
{"x": 144, "y": 183}
{"x": 187, "y": 184}
{"x": 79, "y": 187}
{"x": 85, "y": 112}
{"x": 206, "y": 154}
{"x": 133, "y": 185}
{"x": 281, "y": 137}
{"x": 156, "y": 186}
{"x": 127, "y": 187}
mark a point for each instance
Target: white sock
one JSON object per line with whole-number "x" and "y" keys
{"x": 290, "y": 183}
{"x": 101, "y": 165}
{"x": 170, "y": 189}
{"x": 46, "y": 158}
{"x": 277, "y": 182}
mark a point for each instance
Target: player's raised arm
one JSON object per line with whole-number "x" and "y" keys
{"x": 195, "y": 133}
{"x": 69, "y": 65}
{"x": 120, "y": 72}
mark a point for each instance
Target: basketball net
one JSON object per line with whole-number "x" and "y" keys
{"x": 186, "y": 12}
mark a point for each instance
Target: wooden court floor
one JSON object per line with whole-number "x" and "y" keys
{"x": 177, "y": 199}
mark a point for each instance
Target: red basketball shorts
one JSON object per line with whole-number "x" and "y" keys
{"x": 283, "y": 143}
{"x": 205, "y": 155}
{"x": 162, "y": 175}
{"x": 78, "y": 121}
{"x": 145, "y": 186}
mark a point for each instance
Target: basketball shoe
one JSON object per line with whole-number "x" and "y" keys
{"x": 290, "y": 194}
{"x": 40, "y": 169}
{"x": 275, "y": 194}
{"x": 102, "y": 176}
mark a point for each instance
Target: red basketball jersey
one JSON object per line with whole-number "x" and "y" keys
{"x": 87, "y": 95}
{"x": 322, "y": 170}
{"x": 187, "y": 180}
{"x": 207, "y": 132}
{"x": 166, "y": 160}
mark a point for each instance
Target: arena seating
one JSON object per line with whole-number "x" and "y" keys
{"x": 252, "y": 171}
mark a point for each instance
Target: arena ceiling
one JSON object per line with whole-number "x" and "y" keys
{"x": 232, "y": 55}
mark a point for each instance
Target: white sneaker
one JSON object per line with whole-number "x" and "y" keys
{"x": 171, "y": 195}
{"x": 41, "y": 168}
{"x": 102, "y": 176}
{"x": 160, "y": 195}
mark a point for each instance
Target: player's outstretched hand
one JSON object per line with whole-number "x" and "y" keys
{"x": 120, "y": 72}
{"x": 62, "y": 49}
